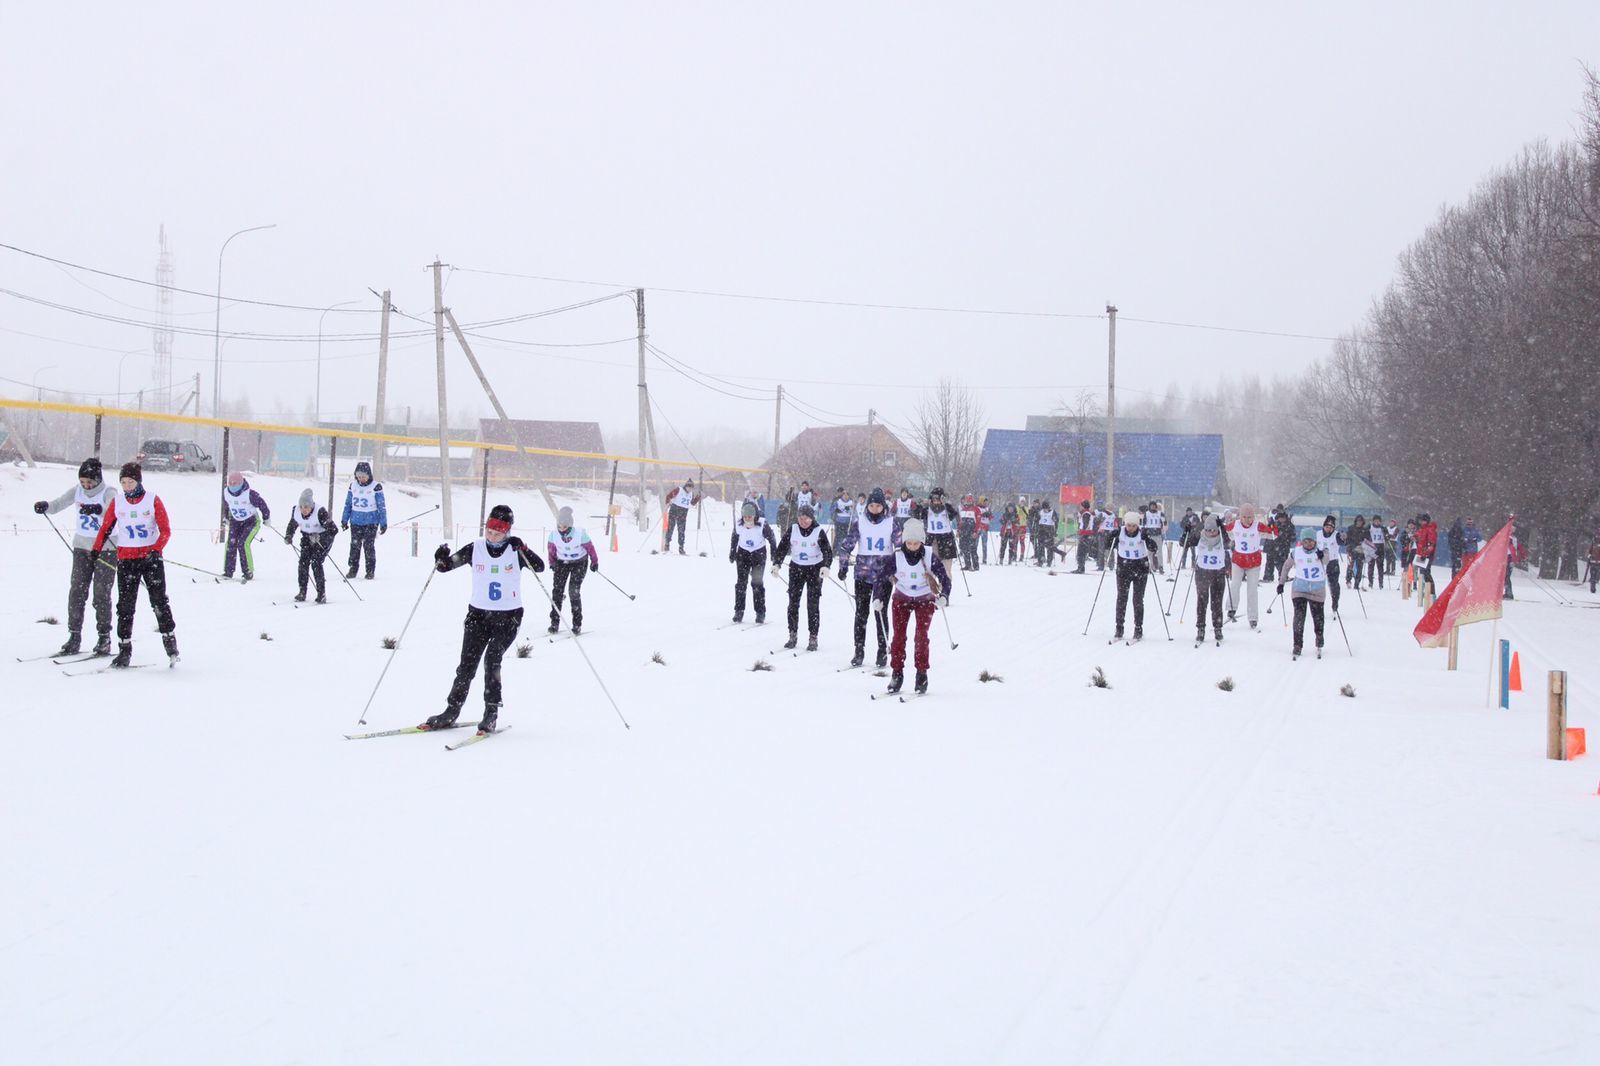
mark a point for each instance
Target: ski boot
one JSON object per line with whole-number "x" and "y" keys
{"x": 554, "y": 627}
{"x": 811, "y": 645}
{"x": 247, "y": 578}
{"x": 792, "y": 641}
{"x": 1118, "y": 634}
{"x": 922, "y": 682}
{"x": 1138, "y": 633}
{"x": 1219, "y": 635}
{"x": 73, "y": 645}
{"x": 350, "y": 575}
{"x": 896, "y": 680}
{"x": 738, "y": 616}
{"x": 124, "y": 657}
{"x": 443, "y": 720}
{"x": 169, "y": 641}
{"x": 300, "y": 597}
{"x": 761, "y": 618}
{"x": 859, "y": 657}
{"x": 490, "y": 719}
{"x": 322, "y": 597}
{"x": 103, "y": 645}
{"x": 883, "y": 658}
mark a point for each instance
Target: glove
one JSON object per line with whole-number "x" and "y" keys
{"x": 843, "y": 569}
{"x": 1280, "y": 588}
{"x": 288, "y": 538}
{"x": 344, "y": 527}
{"x": 90, "y": 508}
{"x": 441, "y": 554}
{"x": 777, "y": 570}
{"x": 515, "y": 542}
{"x": 154, "y": 553}
{"x": 594, "y": 565}
{"x": 944, "y": 601}
{"x": 732, "y": 558}
{"x": 41, "y": 507}
{"x": 382, "y": 529}
{"x": 538, "y": 564}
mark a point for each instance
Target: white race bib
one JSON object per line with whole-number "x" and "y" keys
{"x": 496, "y": 583}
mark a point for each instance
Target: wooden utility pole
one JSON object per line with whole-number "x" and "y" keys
{"x": 777, "y": 429}
{"x": 444, "y": 413}
{"x": 1111, "y": 409}
{"x": 383, "y": 382}
{"x": 644, "y": 404}
{"x": 511, "y": 429}
{"x": 1555, "y": 744}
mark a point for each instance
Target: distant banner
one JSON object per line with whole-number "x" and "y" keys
{"x": 1476, "y": 595}
{"x": 1076, "y": 494}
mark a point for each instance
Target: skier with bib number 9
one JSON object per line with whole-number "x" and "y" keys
{"x": 494, "y": 613}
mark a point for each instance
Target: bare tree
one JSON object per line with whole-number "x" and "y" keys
{"x": 947, "y": 431}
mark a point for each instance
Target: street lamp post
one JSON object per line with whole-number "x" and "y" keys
{"x": 316, "y": 416}
{"x": 216, "y": 333}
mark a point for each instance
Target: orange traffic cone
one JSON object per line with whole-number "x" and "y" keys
{"x": 614, "y": 536}
{"x": 1516, "y": 672}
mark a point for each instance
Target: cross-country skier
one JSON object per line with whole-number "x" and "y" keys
{"x": 985, "y": 524}
{"x": 748, "y": 551}
{"x": 365, "y": 516}
{"x": 904, "y": 508}
{"x": 1280, "y": 544}
{"x": 921, "y": 585}
{"x": 679, "y": 503}
{"x": 1311, "y": 580}
{"x": 967, "y": 531}
{"x": 805, "y": 497}
{"x": 140, "y": 520}
{"x": 246, "y": 513}
{"x": 1329, "y": 547}
{"x": 1155, "y": 529}
{"x": 940, "y": 522}
{"x": 843, "y": 511}
{"x": 90, "y": 566}
{"x": 1356, "y": 540}
{"x": 494, "y": 613}
{"x": 1132, "y": 550}
{"x": 572, "y": 555}
{"x": 1378, "y": 557}
{"x": 1188, "y": 537}
{"x": 316, "y": 541}
{"x": 875, "y": 537}
{"x": 1010, "y": 519}
{"x": 1593, "y": 576}
{"x": 1248, "y": 535}
{"x": 1088, "y": 536}
{"x": 1044, "y": 534}
{"x": 809, "y": 553}
{"x": 1212, "y": 562}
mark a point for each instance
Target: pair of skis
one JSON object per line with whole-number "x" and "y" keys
{"x": 473, "y": 739}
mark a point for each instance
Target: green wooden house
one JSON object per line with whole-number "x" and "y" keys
{"x": 1340, "y": 492}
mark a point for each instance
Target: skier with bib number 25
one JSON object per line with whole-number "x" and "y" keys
{"x": 494, "y": 613}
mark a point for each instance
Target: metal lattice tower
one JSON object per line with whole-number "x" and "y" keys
{"x": 161, "y": 336}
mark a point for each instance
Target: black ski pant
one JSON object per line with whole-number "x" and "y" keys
{"x": 1086, "y": 551}
{"x": 1131, "y": 576}
{"x": 803, "y": 579}
{"x": 752, "y": 571}
{"x": 91, "y": 569}
{"x": 150, "y": 570}
{"x": 1210, "y": 586}
{"x": 1333, "y": 585}
{"x": 314, "y": 549}
{"x": 1375, "y": 570}
{"x": 485, "y": 635}
{"x": 363, "y": 539}
{"x": 1594, "y": 576}
{"x": 969, "y": 550}
{"x": 1044, "y": 542}
{"x": 677, "y": 518}
{"x": 1300, "y": 605}
{"x": 563, "y": 574}
{"x": 866, "y": 592}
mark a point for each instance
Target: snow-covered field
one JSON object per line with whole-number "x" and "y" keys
{"x": 768, "y": 867}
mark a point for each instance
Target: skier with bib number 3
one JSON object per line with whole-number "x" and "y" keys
{"x": 494, "y": 613}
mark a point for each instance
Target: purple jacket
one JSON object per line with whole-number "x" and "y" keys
{"x": 870, "y": 569}
{"x": 255, "y": 498}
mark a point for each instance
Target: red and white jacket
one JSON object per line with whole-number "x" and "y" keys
{"x": 109, "y": 522}
{"x": 1248, "y": 541}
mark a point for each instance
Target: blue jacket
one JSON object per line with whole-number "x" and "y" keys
{"x": 378, "y": 517}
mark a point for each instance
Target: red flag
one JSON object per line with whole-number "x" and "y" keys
{"x": 1476, "y": 595}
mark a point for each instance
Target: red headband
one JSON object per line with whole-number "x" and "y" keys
{"x": 498, "y": 525}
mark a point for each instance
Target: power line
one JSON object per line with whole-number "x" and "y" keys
{"x": 813, "y": 418}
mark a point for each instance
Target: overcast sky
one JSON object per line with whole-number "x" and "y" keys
{"x": 1234, "y": 165}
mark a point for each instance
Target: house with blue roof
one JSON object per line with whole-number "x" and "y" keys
{"x": 1340, "y": 492}
{"x": 1179, "y": 469}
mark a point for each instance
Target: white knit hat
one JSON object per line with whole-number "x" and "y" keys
{"x": 913, "y": 530}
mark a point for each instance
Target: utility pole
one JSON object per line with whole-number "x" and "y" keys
{"x": 872, "y": 416}
{"x": 383, "y": 381}
{"x": 644, "y": 404}
{"x": 444, "y": 418}
{"x": 777, "y": 428}
{"x": 1111, "y": 409}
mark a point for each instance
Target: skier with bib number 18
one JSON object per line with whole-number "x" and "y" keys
{"x": 494, "y": 613}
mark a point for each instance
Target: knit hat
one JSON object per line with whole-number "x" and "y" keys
{"x": 235, "y": 477}
{"x": 913, "y": 531}
{"x": 500, "y": 518}
{"x": 748, "y": 510}
{"x": 937, "y": 492}
{"x": 807, "y": 512}
{"x": 307, "y": 499}
{"x": 90, "y": 468}
{"x": 564, "y": 518}
{"x": 1330, "y": 518}
{"x": 1130, "y": 515}
{"x": 364, "y": 467}
{"x": 876, "y": 496}
{"x": 1210, "y": 523}
{"x": 133, "y": 470}
{"x": 1308, "y": 533}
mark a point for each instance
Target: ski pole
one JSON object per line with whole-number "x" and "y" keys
{"x": 1164, "y": 625}
{"x": 946, "y": 613}
{"x": 840, "y": 585}
{"x": 967, "y": 583}
{"x": 414, "y": 517}
{"x": 586, "y": 659}
{"x": 618, "y": 587}
{"x": 402, "y": 636}
{"x": 1361, "y": 600}
{"x": 1194, "y": 577}
{"x": 1098, "y": 586}
{"x": 69, "y": 547}
{"x": 1342, "y": 633}
{"x": 196, "y": 569}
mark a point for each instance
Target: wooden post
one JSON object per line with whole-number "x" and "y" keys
{"x": 97, "y": 426}
{"x": 1555, "y": 744}
{"x": 612, "y": 498}
{"x": 483, "y": 498}
{"x": 222, "y": 468}
{"x": 333, "y": 459}
{"x": 1455, "y": 632}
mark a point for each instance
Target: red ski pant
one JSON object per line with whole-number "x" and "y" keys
{"x": 901, "y": 609}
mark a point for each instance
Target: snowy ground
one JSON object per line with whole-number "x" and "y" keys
{"x": 769, "y": 868}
